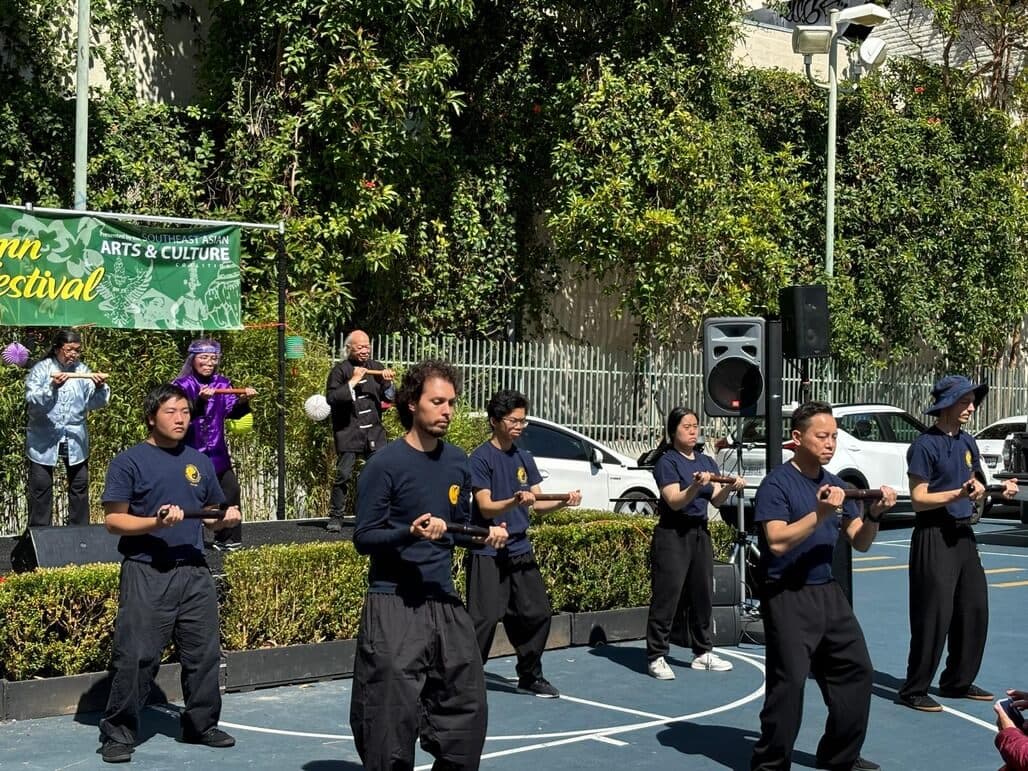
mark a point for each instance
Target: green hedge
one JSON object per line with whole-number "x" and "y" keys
{"x": 59, "y": 621}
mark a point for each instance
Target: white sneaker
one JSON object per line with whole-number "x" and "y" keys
{"x": 711, "y": 663}
{"x": 659, "y": 669}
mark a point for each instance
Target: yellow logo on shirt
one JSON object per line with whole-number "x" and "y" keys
{"x": 192, "y": 474}
{"x": 454, "y": 494}
{"x": 522, "y": 475}
{"x": 967, "y": 458}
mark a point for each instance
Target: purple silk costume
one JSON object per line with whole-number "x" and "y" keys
{"x": 207, "y": 426}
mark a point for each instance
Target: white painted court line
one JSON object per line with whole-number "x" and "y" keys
{"x": 1003, "y": 570}
{"x": 879, "y": 567}
{"x": 1007, "y": 555}
{"x": 608, "y": 740}
{"x": 871, "y": 559}
{"x": 606, "y": 732}
{"x": 951, "y": 711}
{"x": 588, "y": 703}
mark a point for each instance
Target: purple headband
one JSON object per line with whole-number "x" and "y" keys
{"x": 205, "y": 346}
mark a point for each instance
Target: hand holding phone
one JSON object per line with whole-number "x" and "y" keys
{"x": 1012, "y": 712}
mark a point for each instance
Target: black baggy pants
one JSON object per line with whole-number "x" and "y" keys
{"x": 510, "y": 589}
{"x": 338, "y": 500}
{"x": 41, "y": 493}
{"x": 230, "y": 488}
{"x": 681, "y": 570}
{"x": 812, "y": 629}
{"x": 949, "y": 601}
{"x": 154, "y": 606}
{"x": 417, "y": 672}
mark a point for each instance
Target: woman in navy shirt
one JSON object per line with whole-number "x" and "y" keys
{"x": 681, "y": 554}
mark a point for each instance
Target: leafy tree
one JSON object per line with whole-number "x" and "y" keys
{"x": 682, "y": 214}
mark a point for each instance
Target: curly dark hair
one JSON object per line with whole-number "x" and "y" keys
{"x": 158, "y": 396}
{"x": 414, "y": 384}
{"x": 504, "y": 402}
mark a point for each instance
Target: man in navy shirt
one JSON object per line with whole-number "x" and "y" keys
{"x": 808, "y": 623}
{"x": 166, "y": 590}
{"x": 417, "y": 668}
{"x": 948, "y": 592}
{"x": 507, "y": 584}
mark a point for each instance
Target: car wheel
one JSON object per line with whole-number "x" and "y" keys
{"x": 636, "y": 502}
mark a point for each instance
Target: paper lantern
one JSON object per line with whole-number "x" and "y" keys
{"x": 16, "y": 354}
{"x": 295, "y": 347}
{"x": 317, "y": 407}
{"x": 240, "y": 426}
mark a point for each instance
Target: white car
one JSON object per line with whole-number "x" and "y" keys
{"x": 990, "y": 443}
{"x": 871, "y": 450}
{"x": 568, "y": 460}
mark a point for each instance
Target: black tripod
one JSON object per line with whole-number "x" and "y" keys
{"x": 744, "y": 555}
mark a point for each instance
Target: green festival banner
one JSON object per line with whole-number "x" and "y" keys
{"x": 73, "y": 270}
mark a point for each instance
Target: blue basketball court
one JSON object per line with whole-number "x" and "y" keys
{"x": 611, "y": 714}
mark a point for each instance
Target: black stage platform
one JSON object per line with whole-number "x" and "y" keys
{"x": 18, "y": 554}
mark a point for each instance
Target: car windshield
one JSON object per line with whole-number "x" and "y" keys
{"x": 865, "y": 426}
{"x": 1000, "y": 430}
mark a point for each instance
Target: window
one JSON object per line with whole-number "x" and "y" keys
{"x": 755, "y": 431}
{"x": 545, "y": 442}
{"x": 901, "y": 426}
{"x": 862, "y": 426}
{"x": 1001, "y": 430}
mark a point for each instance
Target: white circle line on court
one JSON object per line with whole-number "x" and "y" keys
{"x": 576, "y": 735}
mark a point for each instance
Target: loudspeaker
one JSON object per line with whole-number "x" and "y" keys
{"x": 725, "y": 626}
{"x": 57, "y": 546}
{"x": 726, "y": 585}
{"x": 733, "y": 378}
{"x": 805, "y": 324}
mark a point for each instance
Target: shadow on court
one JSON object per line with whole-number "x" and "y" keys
{"x": 725, "y": 745}
{"x": 633, "y": 659}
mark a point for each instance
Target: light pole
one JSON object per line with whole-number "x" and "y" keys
{"x": 824, "y": 39}
{"x": 81, "y": 105}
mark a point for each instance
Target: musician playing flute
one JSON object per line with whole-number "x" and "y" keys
{"x": 681, "y": 553}
{"x": 809, "y": 624}
{"x": 166, "y": 591}
{"x": 202, "y": 381}
{"x": 57, "y": 405}
{"x": 355, "y": 396}
{"x": 417, "y": 669}
{"x": 505, "y": 584}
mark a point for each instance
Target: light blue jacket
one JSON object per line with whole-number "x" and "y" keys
{"x": 59, "y": 414}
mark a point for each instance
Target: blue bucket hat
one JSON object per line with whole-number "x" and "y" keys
{"x": 948, "y": 390}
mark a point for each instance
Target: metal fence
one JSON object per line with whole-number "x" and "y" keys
{"x": 621, "y": 400}
{"x": 607, "y": 395}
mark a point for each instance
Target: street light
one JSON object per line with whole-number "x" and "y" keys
{"x": 809, "y": 40}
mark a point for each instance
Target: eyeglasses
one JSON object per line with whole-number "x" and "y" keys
{"x": 211, "y": 358}
{"x": 516, "y": 421}
{"x": 68, "y": 350}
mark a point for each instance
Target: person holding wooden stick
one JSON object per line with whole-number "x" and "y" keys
{"x": 505, "y": 584}
{"x": 213, "y": 402}
{"x": 59, "y": 391}
{"x": 681, "y": 553}
{"x": 355, "y": 396}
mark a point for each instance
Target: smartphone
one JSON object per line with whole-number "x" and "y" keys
{"x": 1012, "y": 712}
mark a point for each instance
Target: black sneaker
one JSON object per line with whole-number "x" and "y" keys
{"x": 540, "y": 687}
{"x": 973, "y": 692}
{"x": 335, "y": 525}
{"x": 922, "y": 702}
{"x": 116, "y": 752}
{"x": 212, "y": 737}
{"x": 863, "y": 764}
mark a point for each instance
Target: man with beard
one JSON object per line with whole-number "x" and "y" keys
{"x": 417, "y": 668}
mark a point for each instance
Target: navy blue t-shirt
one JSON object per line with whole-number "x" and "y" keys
{"x": 148, "y": 477}
{"x": 674, "y": 467}
{"x": 398, "y": 485}
{"x": 787, "y": 495}
{"x": 503, "y": 474}
{"x": 946, "y": 463}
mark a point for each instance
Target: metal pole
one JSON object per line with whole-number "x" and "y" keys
{"x": 833, "y": 101}
{"x": 82, "y": 105}
{"x": 280, "y": 512}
